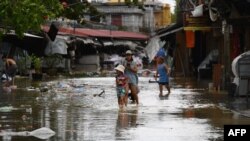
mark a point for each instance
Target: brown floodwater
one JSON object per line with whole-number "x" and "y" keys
{"x": 75, "y": 112}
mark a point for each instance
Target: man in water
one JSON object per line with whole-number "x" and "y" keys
{"x": 10, "y": 69}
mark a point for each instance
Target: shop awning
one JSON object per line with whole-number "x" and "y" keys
{"x": 32, "y": 43}
{"x": 197, "y": 28}
{"x": 170, "y": 29}
{"x": 170, "y": 32}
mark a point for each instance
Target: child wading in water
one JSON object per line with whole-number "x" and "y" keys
{"x": 163, "y": 71}
{"x": 121, "y": 85}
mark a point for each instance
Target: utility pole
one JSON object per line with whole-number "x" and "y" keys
{"x": 226, "y": 55}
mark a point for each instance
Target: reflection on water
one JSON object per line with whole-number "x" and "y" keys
{"x": 125, "y": 120}
{"x": 71, "y": 108}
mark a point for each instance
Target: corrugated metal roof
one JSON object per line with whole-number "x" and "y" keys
{"x": 111, "y": 33}
{"x": 66, "y": 31}
{"x": 84, "y": 32}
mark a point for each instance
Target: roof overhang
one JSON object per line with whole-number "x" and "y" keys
{"x": 197, "y": 28}
{"x": 171, "y": 31}
{"x": 99, "y": 33}
{"x": 32, "y": 43}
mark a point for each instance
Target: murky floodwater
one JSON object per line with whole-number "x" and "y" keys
{"x": 73, "y": 109}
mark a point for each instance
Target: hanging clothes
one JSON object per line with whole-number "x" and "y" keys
{"x": 190, "y": 39}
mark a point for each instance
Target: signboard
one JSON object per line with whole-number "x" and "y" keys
{"x": 197, "y": 23}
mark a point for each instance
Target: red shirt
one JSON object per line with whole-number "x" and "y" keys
{"x": 121, "y": 80}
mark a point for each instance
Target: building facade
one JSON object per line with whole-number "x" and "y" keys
{"x": 162, "y": 13}
{"x": 212, "y": 35}
{"x": 125, "y": 17}
{"x": 147, "y": 16}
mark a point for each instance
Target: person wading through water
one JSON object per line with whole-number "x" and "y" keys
{"x": 10, "y": 71}
{"x": 131, "y": 72}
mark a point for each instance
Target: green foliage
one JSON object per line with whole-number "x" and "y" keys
{"x": 140, "y": 6}
{"x": 136, "y": 2}
{"x": 23, "y": 64}
{"x": 94, "y": 14}
{"x": 29, "y": 15}
{"x": 52, "y": 60}
{"x": 133, "y": 2}
{"x": 177, "y": 12}
{"x": 122, "y": 28}
{"x": 177, "y": 8}
{"x": 25, "y": 15}
{"x": 75, "y": 10}
{"x": 37, "y": 62}
{"x": 128, "y": 2}
{"x": 173, "y": 17}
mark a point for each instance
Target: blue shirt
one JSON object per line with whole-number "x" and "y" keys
{"x": 162, "y": 71}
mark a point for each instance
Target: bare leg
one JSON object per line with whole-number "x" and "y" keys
{"x": 125, "y": 100}
{"x": 161, "y": 89}
{"x": 126, "y": 96}
{"x": 119, "y": 101}
{"x": 134, "y": 92}
{"x": 168, "y": 88}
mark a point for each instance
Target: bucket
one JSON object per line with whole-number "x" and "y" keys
{"x": 210, "y": 86}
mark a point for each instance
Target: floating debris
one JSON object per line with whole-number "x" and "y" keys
{"x": 41, "y": 133}
{"x": 100, "y": 94}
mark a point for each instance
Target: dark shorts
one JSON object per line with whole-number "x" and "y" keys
{"x": 11, "y": 71}
{"x": 121, "y": 91}
{"x": 163, "y": 83}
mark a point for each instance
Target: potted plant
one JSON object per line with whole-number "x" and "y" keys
{"x": 37, "y": 64}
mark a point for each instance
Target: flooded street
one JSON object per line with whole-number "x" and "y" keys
{"x": 73, "y": 109}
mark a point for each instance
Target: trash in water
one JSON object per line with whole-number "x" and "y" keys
{"x": 44, "y": 89}
{"x": 41, "y": 133}
{"x": 62, "y": 85}
{"x": 78, "y": 90}
{"x": 7, "y": 109}
{"x": 100, "y": 94}
{"x": 32, "y": 89}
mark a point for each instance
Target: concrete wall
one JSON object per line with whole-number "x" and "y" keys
{"x": 89, "y": 63}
